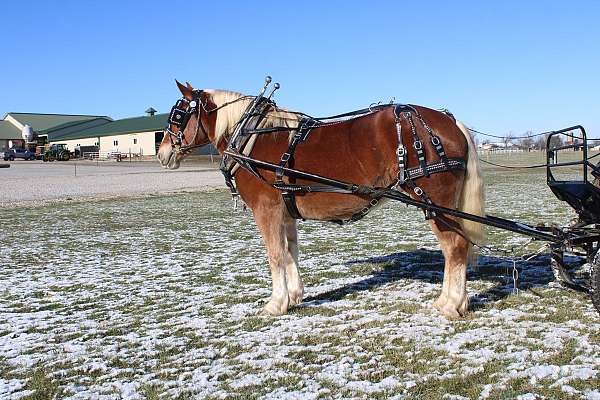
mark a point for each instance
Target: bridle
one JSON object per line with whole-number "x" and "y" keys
{"x": 180, "y": 116}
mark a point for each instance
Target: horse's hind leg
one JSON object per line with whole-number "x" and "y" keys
{"x": 294, "y": 281}
{"x": 270, "y": 222}
{"x": 453, "y": 301}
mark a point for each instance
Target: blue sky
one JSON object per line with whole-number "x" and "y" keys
{"x": 500, "y": 67}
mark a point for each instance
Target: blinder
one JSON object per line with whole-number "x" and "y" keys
{"x": 180, "y": 116}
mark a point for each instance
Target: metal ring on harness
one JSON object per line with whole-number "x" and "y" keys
{"x": 402, "y": 176}
{"x": 418, "y": 145}
{"x": 418, "y": 191}
{"x": 435, "y": 140}
{"x": 372, "y": 105}
{"x": 401, "y": 151}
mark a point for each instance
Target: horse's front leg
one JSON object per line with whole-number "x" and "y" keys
{"x": 294, "y": 281}
{"x": 270, "y": 222}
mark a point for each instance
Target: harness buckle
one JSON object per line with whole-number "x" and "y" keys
{"x": 285, "y": 157}
{"x": 418, "y": 145}
{"x": 401, "y": 151}
{"x": 418, "y": 191}
{"x": 435, "y": 140}
{"x": 401, "y": 176}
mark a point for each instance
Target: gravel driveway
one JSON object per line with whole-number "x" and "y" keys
{"x": 30, "y": 183}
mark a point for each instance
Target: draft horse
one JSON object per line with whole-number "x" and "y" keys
{"x": 362, "y": 150}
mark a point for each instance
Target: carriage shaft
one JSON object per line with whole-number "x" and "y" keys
{"x": 392, "y": 194}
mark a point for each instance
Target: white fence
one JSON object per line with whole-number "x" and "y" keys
{"x": 111, "y": 155}
{"x": 499, "y": 151}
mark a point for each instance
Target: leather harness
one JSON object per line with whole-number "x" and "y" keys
{"x": 405, "y": 179}
{"x": 257, "y": 110}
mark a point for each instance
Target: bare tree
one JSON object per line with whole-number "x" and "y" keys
{"x": 508, "y": 139}
{"x": 527, "y": 141}
{"x": 540, "y": 143}
{"x": 556, "y": 141}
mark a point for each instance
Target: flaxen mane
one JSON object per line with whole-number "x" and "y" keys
{"x": 229, "y": 115}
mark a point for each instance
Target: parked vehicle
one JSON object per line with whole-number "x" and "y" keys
{"x": 11, "y": 154}
{"x": 80, "y": 151}
{"x": 57, "y": 152}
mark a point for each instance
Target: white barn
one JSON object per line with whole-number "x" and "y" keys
{"x": 138, "y": 135}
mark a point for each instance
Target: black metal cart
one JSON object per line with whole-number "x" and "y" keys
{"x": 582, "y": 236}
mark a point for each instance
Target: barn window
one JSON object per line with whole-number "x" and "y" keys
{"x": 115, "y": 142}
{"x": 134, "y": 141}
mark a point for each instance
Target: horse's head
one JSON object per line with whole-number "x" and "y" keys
{"x": 186, "y": 129}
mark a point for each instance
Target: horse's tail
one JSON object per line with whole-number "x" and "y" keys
{"x": 472, "y": 197}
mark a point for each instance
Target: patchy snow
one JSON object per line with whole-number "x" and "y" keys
{"x": 137, "y": 297}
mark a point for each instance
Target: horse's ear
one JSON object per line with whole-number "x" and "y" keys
{"x": 185, "y": 91}
{"x": 188, "y": 85}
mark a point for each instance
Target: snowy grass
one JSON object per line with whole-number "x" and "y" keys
{"x": 157, "y": 298}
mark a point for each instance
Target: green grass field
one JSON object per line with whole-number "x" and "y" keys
{"x": 157, "y": 298}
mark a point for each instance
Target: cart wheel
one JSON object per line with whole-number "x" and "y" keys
{"x": 562, "y": 275}
{"x": 595, "y": 282}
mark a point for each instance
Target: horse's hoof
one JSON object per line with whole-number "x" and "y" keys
{"x": 295, "y": 298}
{"x": 273, "y": 309}
{"x": 264, "y": 313}
{"x": 451, "y": 311}
{"x": 440, "y": 303}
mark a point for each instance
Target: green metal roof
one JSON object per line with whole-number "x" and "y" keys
{"x": 73, "y": 127}
{"x": 9, "y": 131}
{"x": 79, "y": 124}
{"x": 157, "y": 122}
{"x": 40, "y": 122}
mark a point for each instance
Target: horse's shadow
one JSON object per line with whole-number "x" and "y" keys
{"x": 428, "y": 266}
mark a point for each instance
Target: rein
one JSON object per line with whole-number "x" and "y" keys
{"x": 258, "y": 110}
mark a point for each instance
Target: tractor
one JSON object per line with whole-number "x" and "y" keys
{"x": 57, "y": 152}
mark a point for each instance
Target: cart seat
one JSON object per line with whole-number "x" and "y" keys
{"x": 584, "y": 197}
